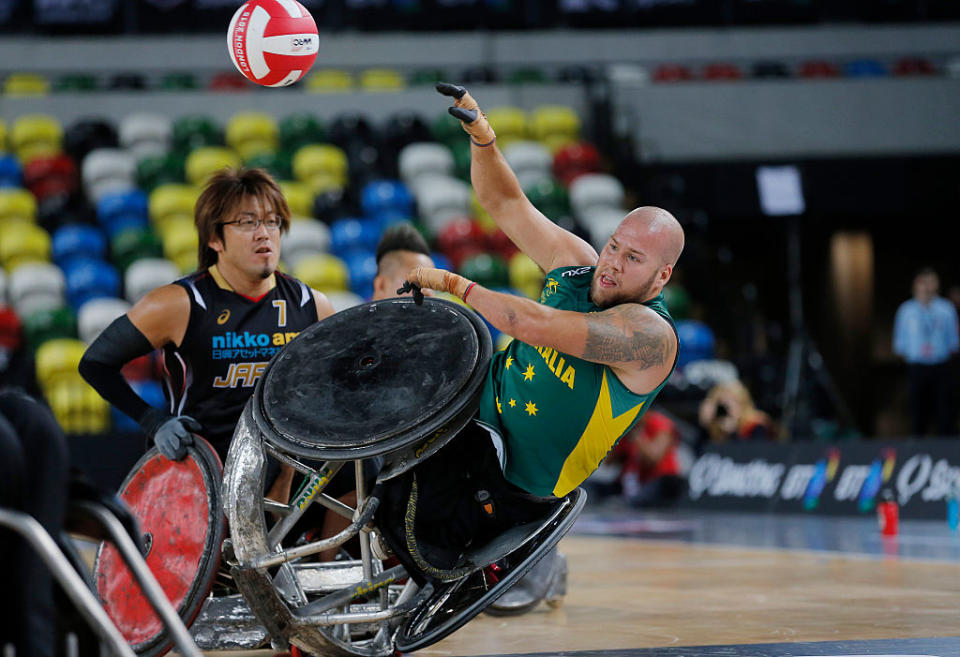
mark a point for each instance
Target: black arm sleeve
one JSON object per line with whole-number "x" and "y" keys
{"x": 100, "y": 366}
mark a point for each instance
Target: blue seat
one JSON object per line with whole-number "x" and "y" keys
{"x": 151, "y": 392}
{"x": 440, "y": 261}
{"x": 696, "y": 342}
{"x": 362, "y": 266}
{"x": 386, "y": 195}
{"x": 89, "y": 278}
{"x": 350, "y": 234}
{"x": 117, "y": 204}
{"x": 866, "y": 68}
{"x": 10, "y": 172}
{"x": 77, "y": 240}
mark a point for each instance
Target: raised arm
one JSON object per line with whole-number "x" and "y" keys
{"x": 500, "y": 194}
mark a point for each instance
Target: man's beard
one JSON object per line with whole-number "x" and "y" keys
{"x": 267, "y": 272}
{"x": 642, "y": 295}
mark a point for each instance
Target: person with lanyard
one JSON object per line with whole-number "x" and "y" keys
{"x": 925, "y": 335}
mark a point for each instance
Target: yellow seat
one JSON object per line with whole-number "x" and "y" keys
{"x": 525, "y": 275}
{"x": 58, "y": 360}
{"x": 314, "y": 159}
{"x": 78, "y": 408}
{"x": 35, "y": 135}
{"x": 17, "y": 204}
{"x": 3, "y": 136}
{"x": 299, "y": 197}
{"x": 330, "y": 81}
{"x": 323, "y": 182}
{"x": 179, "y": 239}
{"x": 26, "y": 84}
{"x": 22, "y": 242}
{"x": 172, "y": 199}
{"x": 549, "y": 121}
{"x": 510, "y": 123}
{"x": 557, "y": 142}
{"x": 252, "y": 133}
{"x": 324, "y": 272}
{"x": 382, "y": 79}
{"x": 186, "y": 262}
{"x": 204, "y": 162}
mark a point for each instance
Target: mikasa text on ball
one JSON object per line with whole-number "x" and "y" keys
{"x": 273, "y": 42}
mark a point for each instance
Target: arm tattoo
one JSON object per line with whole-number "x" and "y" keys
{"x": 628, "y": 333}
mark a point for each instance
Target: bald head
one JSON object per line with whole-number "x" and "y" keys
{"x": 662, "y": 233}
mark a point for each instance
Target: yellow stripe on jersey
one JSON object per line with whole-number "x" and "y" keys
{"x": 601, "y": 432}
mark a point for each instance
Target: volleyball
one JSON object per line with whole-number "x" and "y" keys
{"x": 273, "y": 42}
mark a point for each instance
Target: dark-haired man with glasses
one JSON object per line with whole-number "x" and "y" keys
{"x": 218, "y": 327}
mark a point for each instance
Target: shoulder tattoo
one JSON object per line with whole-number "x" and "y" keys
{"x": 628, "y": 333}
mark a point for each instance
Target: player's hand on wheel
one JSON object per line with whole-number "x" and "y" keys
{"x": 174, "y": 435}
{"x": 466, "y": 109}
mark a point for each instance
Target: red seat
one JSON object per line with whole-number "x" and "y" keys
{"x": 818, "y": 68}
{"x": 228, "y": 81}
{"x": 50, "y": 175}
{"x": 575, "y": 160}
{"x": 913, "y": 66}
{"x": 722, "y": 71}
{"x": 672, "y": 73}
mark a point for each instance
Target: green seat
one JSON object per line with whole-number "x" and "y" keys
{"x": 550, "y": 197}
{"x": 677, "y": 300}
{"x": 301, "y": 129}
{"x": 197, "y": 131}
{"x": 179, "y": 81}
{"x": 156, "y": 170}
{"x": 447, "y": 130}
{"x": 45, "y": 325}
{"x": 486, "y": 269}
{"x": 461, "y": 158}
{"x": 277, "y": 164}
{"x": 75, "y": 82}
{"x": 133, "y": 244}
{"x": 527, "y": 76}
{"x": 427, "y": 77}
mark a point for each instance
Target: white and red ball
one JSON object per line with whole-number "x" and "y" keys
{"x": 273, "y": 42}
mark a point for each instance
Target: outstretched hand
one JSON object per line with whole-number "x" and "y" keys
{"x": 440, "y": 280}
{"x": 466, "y": 109}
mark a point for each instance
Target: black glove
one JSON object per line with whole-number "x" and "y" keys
{"x": 466, "y": 109}
{"x": 170, "y": 434}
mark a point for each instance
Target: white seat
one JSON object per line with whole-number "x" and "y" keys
{"x": 424, "y": 159}
{"x": 594, "y": 190}
{"x": 528, "y": 157}
{"x": 600, "y": 223}
{"x": 36, "y": 286}
{"x": 97, "y": 314}
{"x": 3, "y": 288}
{"x": 105, "y": 165}
{"x": 441, "y": 198}
{"x": 306, "y": 237}
{"x": 145, "y": 134}
{"x": 342, "y": 299}
{"x": 147, "y": 274}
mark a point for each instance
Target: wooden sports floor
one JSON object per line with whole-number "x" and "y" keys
{"x": 704, "y": 585}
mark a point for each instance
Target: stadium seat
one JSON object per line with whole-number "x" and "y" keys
{"x": 446, "y": 129}
{"x": 277, "y": 163}
{"x": 77, "y": 240}
{"x": 156, "y": 170}
{"x": 550, "y": 197}
{"x": 326, "y": 159}
{"x": 722, "y": 71}
{"x": 379, "y": 197}
{"x": 672, "y": 73}
{"x": 250, "y": 133}
{"x": 297, "y": 130}
{"x": 172, "y": 201}
{"x": 818, "y": 68}
{"x": 48, "y": 323}
{"x": 299, "y": 197}
{"x": 630, "y": 74}
{"x": 426, "y": 77}
{"x": 87, "y": 135}
{"x": 132, "y": 244}
{"x": 35, "y": 134}
{"x": 89, "y": 278}
{"x": 696, "y": 342}
{"x": 677, "y": 299}
{"x": 343, "y": 299}
{"x": 510, "y": 124}
{"x": 577, "y": 74}
{"x": 306, "y": 238}
{"x": 351, "y": 129}
{"x": 4, "y": 300}
{"x": 96, "y": 315}
{"x": 127, "y": 81}
{"x": 146, "y": 134}
{"x": 382, "y": 79}
{"x": 525, "y": 275}
{"x": 424, "y": 159}
{"x": 77, "y": 407}
{"x": 362, "y": 269}
{"x": 552, "y": 121}
{"x": 769, "y": 69}
{"x": 11, "y": 333}
{"x": 19, "y": 85}
{"x": 58, "y": 360}
{"x": 179, "y": 81}
{"x": 17, "y": 204}
{"x": 865, "y": 68}
{"x": 531, "y": 161}
{"x": 11, "y": 175}
{"x": 204, "y": 162}
{"x": 595, "y": 190}
{"x": 461, "y": 238}
{"x": 35, "y": 286}
{"x": 486, "y": 269}
{"x": 330, "y": 81}
{"x": 478, "y": 75}
{"x": 913, "y": 66}
{"x": 324, "y": 272}
{"x": 330, "y": 205}
{"x": 51, "y": 175}
{"x": 151, "y": 392}
{"x": 229, "y": 81}
{"x": 575, "y": 160}
{"x": 21, "y": 243}
{"x": 350, "y": 235}
{"x": 180, "y": 243}
{"x": 107, "y": 171}
{"x": 527, "y": 75}
{"x": 113, "y": 206}
{"x": 600, "y": 222}
{"x": 195, "y": 131}
{"x": 76, "y": 83}
{"x": 322, "y": 182}
{"x": 146, "y": 274}
{"x": 439, "y": 199}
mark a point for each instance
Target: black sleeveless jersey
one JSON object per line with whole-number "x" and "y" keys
{"x": 230, "y": 338}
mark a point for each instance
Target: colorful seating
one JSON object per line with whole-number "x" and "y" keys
{"x": 106, "y": 171}
{"x": 17, "y": 205}
{"x": 35, "y": 134}
{"x": 44, "y": 324}
{"x": 77, "y": 241}
{"x": 21, "y": 243}
{"x": 315, "y": 160}
{"x": 329, "y": 81}
{"x": 97, "y": 314}
{"x": 147, "y": 274}
{"x": 324, "y": 272}
{"x": 382, "y": 79}
{"x": 306, "y": 238}
{"x": 204, "y": 162}
{"x": 146, "y": 134}
{"x": 89, "y": 278}
{"x": 251, "y": 133}
{"x": 36, "y": 286}
{"x": 424, "y": 159}
{"x": 19, "y": 85}
{"x": 51, "y": 175}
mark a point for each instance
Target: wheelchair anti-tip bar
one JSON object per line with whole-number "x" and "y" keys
{"x": 74, "y": 586}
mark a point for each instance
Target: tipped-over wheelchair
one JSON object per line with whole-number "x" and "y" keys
{"x": 387, "y": 389}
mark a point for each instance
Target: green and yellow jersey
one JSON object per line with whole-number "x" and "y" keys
{"x": 559, "y": 415}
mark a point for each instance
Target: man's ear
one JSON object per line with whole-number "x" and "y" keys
{"x": 378, "y": 287}
{"x": 216, "y": 244}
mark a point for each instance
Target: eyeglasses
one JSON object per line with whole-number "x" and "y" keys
{"x": 248, "y": 223}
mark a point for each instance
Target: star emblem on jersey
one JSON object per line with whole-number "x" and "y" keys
{"x": 531, "y": 408}
{"x": 499, "y": 407}
{"x": 513, "y": 403}
{"x": 528, "y": 373}
{"x": 508, "y": 363}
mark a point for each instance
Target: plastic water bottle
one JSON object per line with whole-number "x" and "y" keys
{"x": 888, "y": 514}
{"x": 953, "y": 506}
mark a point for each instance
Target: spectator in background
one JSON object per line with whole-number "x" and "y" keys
{"x": 728, "y": 413}
{"x": 651, "y": 475}
{"x": 925, "y": 335}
